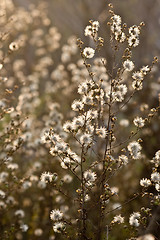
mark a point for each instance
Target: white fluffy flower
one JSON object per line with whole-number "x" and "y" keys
{"x": 88, "y": 31}
{"x": 137, "y": 76}
{"x": 89, "y": 177}
{"x": 133, "y": 220}
{"x": 137, "y": 85}
{"x": 65, "y": 163}
{"x": 156, "y": 159}
{"x": 145, "y": 182}
{"x": 116, "y": 19}
{"x": 157, "y": 187}
{"x": 56, "y": 215}
{"x": 139, "y": 122}
{"x": 78, "y": 122}
{"x": 134, "y": 149}
{"x": 19, "y": 213}
{"x": 86, "y": 139}
{"x": 2, "y": 194}
{"x": 88, "y": 52}
{"x": 155, "y": 177}
{"x": 118, "y": 219}
{"x": 58, "y": 227}
{"x": 96, "y": 25}
{"x": 128, "y": 65}
{"x": 77, "y": 105}
{"x": 145, "y": 69}
{"x": 48, "y": 177}
{"x": 123, "y": 159}
{"x": 133, "y": 41}
{"x": 68, "y": 126}
{"x": 13, "y": 46}
{"x": 134, "y": 30}
{"x": 101, "y": 132}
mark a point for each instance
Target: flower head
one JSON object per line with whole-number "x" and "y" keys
{"x": 58, "y": 227}
{"x": 88, "y": 52}
{"x": 56, "y": 215}
{"x": 128, "y": 65}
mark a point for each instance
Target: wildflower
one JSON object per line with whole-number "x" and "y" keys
{"x": 55, "y": 138}
{"x": 13, "y": 46}
{"x": 46, "y": 137}
{"x": 116, "y": 19}
{"x": 88, "y": 31}
{"x": 156, "y": 159}
{"x": 157, "y": 155}
{"x": 24, "y": 227}
{"x": 78, "y": 122}
{"x": 65, "y": 163}
{"x": 92, "y": 114}
{"x": 88, "y": 52}
{"x": 77, "y": 105}
{"x": 10, "y": 200}
{"x": 59, "y": 227}
{"x": 47, "y": 177}
{"x": 145, "y": 69}
{"x": 133, "y": 41}
{"x": 19, "y": 213}
{"x": 13, "y": 166}
{"x": 85, "y": 87}
{"x": 61, "y": 147}
{"x": 91, "y": 29}
{"x": 157, "y": 187}
{"x": 137, "y": 85}
{"x": 74, "y": 157}
{"x": 134, "y": 149}
{"x": 118, "y": 219}
{"x": 133, "y": 220}
{"x": 128, "y": 65}
{"x": 87, "y": 99}
{"x": 137, "y": 76}
{"x": 89, "y": 128}
{"x": 89, "y": 177}
{"x": 120, "y": 36}
{"x": 87, "y": 198}
{"x": 118, "y": 96}
{"x": 3, "y": 176}
{"x": 26, "y": 185}
{"x": 134, "y": 30}
{"x": 2, "y": 194}
{"x": 95, "y": 25}
{"x": 122, "y": 88}
{"x": 123, "y": 159}
{"x": 145, "y": 182}
{"x": 2, "y": 205}
{"x": 139, "y": 122}
{"x": 86, "y": 139}
{"x": 56, "y": 215}
{"x": 82, "y": 88}
{"x": 101, "y": 132}
{"x": 155, "y": 177}
{"x": 67, "y": 126}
